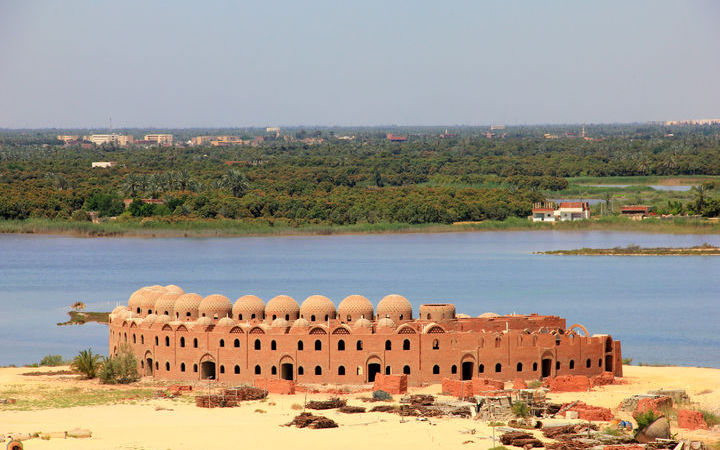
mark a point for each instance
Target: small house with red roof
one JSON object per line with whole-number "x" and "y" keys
{"x": 562, "y": 212}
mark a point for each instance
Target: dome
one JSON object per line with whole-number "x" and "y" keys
{"x": 248, "y": 307}
{"x": 174, "y": 289}
{"x": 363, "y": 323}
{"x": 127, "y": 314}
{"x": 282, "y": 306}
{"x": 215, "y": 306}
{"x": 488, "y": 315}
{"x": 186, "y": 306}
{"x": 117, "y": 309}
{"x": 151, "y": 318}
{"x": 354, "y": 307}
{"x": 280, "y": 322}
{"x": 462, "y": 316}
{"x": 164, "y": 318}
{"x": 317, "y": 308}
{"x": 135, "y": 299}
{"x": 395, "y": 307}
{"x": 165, "y": 304}
{"x": 226, "y": 322}
{"x": 386, "y": 322}
{"x": 203, "y": 321}
{"x": 301, "y": 323}
{"x": 148, "y": 299}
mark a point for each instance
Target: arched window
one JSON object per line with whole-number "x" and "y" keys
{"x": 157, "y": 340}
{"x": 436, "y": 344}
{"x": 318, "y": 345}
{"x": 341, "y": 345}
{"x": 498, "y": 341}
{"x": 387, "y": 370}
{"x": 274, "y": 317}
{"x": 359, "y": 346}
{"x": 318, "y": 370}
{"x": 237, "y": 369}
{"x": 301, "y": 371}
{"x": 222, "y": 369}
{"x": 406, "y": 344}
{"x": 239, "y": 316}
{"x": 341, "y": 370}
{"x": 182, "y": 367}
{"x": 195, "y": 343}
{"x": 401, "y": 317}
{"x": 428, "y": 316}
{"x": 519, "y": 367}
{"x": 300, "y": 345}
{"x": 388, "y": 345}
{"x": 587, "y": 363}
{"x": 453, "y": 369}
{"x": 138, "y": 310}
{"x": 557, "y": 340}
{"x": 534, "y": 367}
{"x": 236, "y": 343}
{"x": 252, "y": 316}
{"x": 481, "y": 368}
{"x": 273, "y": 345}
{"x": 557, "y": 365}
{"x": 167, "y": 366}
{"x": 406, "y": 370}
{"x": 258, "y": 346}
{"x": 195, "y": 368}
{"x": 327, "y": 318}
{"x": 182, "y": 341}
{"x": 167, "y": 341}
{"x": 498, "y": 367}
{"x": 312, "y": 318}
{"x": 349, "y": 318}
{"x": 287, "y": 316}
{"x": 572, "y": 364}
{"x": 273, "y": 370}
{"x": 436, "y": 369}
{"x": 134, "y": 339}
{"x": 258, "y": 370}
{"x": 142, "y": 338}
{"x": 222, "y": 342}
{"x": 600, "y": 362}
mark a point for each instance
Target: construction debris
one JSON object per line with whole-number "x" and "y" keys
{"x": 520, "y": 439}
{"x": 332, "y": 403}
{"x": 308, "y": 420}
{"x": 351, "y": 409}
{"x": 418, "y": 400}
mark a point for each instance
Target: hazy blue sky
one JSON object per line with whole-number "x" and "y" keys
{"x": 180, "y": 63}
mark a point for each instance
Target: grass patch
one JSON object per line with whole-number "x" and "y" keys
{"x": 296, "y": 406}
{"x": 710, "y": 417}
{"x": 47, "y": 397}
{"x": 534, "y": 384}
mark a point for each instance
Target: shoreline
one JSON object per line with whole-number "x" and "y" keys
{"x": 230, "y": 228}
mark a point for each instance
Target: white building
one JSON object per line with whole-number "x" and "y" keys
{"x": 104, "y": 164}
{"x": 566, "y": 211}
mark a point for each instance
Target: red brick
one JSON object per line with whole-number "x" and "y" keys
{"x": 392, "y": 384}
{"x": 569, "y": 383}
{"x": 656, "y": 405}
{"x": 457, "y": 388}
{"x": 519, "y": 384}
{"x": 589, "y": 412}
{"x": 691, "y": 420}
{"x": 276, "y": 386}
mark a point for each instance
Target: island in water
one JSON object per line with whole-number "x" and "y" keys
{"x": 635, "y": 250}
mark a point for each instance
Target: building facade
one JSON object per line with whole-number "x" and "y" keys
{"x": 179, "y": 336}
{"x": 159, "y": 139}
{"x": 565, "y": 211}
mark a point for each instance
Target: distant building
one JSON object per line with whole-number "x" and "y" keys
{"x": 392, "y": 138}
{"x": 201, "y": 140}
{"x": 149, "y": 201}
{"x": 635, "y": 211}
{"x": 564, "y": 212}
{"x": 104, "y": 164}
{"x": 497, "y": 127}
{"x": 273, "y": 130}
{"x": 345, "y": 138}
{"x": 160, "y": 139}
{"x": 68, "y": 138}
{"x": 117, "y": 139}
{"x": 694, "y": 122}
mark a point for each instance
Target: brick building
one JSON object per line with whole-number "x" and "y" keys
{"x": 179, "y": 336}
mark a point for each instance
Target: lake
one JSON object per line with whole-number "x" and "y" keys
{"x": 657, "y": 187}
{"x": 663, "y": 309}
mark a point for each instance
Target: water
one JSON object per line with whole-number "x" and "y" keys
{"x": 657, "y": 187}
{"x": 664, "y": 309}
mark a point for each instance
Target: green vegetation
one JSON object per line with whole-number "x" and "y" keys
{"x": 120, "y": 368}
{"x": 47, "y": 396}
{"x": 635, "y": 250}
{"x": 87, "y": 363}
{"x": 627, "y": 361}
{"x": 711, "y": 419}
{"x": 52, "y": 361}
{"x": 645, "y": 418}
{"x": 534, "y": 384}
{"x": 521, "y": 409}
{"x": 81, "y": 317}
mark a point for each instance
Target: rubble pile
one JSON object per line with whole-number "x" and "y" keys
{"x": 326, "y": 404}
{"x": 308, "y": 420}
{"x": 520, "y": 439}
{"x": 351, "y": 409}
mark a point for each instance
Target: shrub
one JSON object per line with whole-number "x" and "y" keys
{"x": 534, "y": 384}
{"x": 645, "y": 418}
{"x": 626, "y": 361}
{"x": 711, "y": 418}
{"x": 87, "y": 363}
{"x": 521, "y": 409}
{"x": 296, "y": 406}
{"x": 52, "y": 360}
{"x": 381, "y": 395}
{"x": 121, "y": 368}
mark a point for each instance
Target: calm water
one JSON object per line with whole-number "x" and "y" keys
{"x": 657, "y": 187}
{"x": 664, "y": 309}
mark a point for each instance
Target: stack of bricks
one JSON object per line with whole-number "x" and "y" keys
{"x": 589, "y": 412}
{"x": 691, "y": 420}
{"x": 457, "y": 388}
{"x": 246, "y": 393}
{"x": 483, "y": 386}
{"x": 276, "y": 386}
{"x": 569, "y": 383}
{"x": 215, "y": 401}
{"x": 392, "y": 384}
{"x": 654, "y": 404}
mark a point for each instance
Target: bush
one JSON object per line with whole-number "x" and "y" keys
{"x": 711, "y": 419}
{"x": 87, "y": 363}
{"x": 645, "y": 418}
{"x": 121, "y": 368}
{"x": 626, "y": 361}
{"x": 381, "y": 395}
{"x": 52, "y": 360}
{"x": 521, "y": 409}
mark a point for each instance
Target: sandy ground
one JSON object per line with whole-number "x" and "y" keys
{"x": 141, "y": 426}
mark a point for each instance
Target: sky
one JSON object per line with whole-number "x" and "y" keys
{"x": 182, "y": 63}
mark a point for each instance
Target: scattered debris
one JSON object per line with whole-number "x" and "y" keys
{"x": 418, "y": 400}
{"x": 7, "y": 401}
{"x": 588, "y": 412}
{"x": 351, "y": 409}
{"x": 245, "y": 393}
{"x": 520, "y": 439}
{"x": 691, "y": 420}
{"x": 332, "y": 403}
{"x": 308, "y": 420}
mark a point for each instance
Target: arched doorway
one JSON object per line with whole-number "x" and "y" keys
{"x": 468, "y": 368}
{"x": 608, "y": 363}
{"x": 287, "y": 368}
{"x": 207, "y": 370}
{"x": 148, "y": 364}
{"x": 546, "y": 367}
{"x": 373, "y": 368}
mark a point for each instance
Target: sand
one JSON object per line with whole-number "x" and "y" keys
{"x": 185, "y": 426}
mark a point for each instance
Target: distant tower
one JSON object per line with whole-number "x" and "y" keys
{"x": 583, "y": 131}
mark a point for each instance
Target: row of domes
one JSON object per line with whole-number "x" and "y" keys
{"x": 172, "y": 301}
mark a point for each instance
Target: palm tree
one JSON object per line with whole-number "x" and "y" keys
{"x": 701, "y": 192}
{"x": 236, "y": 182}
{"x": 87, "y": 363}
{"x": 608, "y": 197}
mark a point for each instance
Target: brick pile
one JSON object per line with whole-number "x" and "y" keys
{"x": 589, "y": 412}
{"x": 457, "y": 388}
{"x": 569, "y": 383}
{"x": 481, "y": 385}
{"x": 392, "y": 384}
{"x": 276, "y": 386}
{"x": 654, "y": 404}
{"x": 691, "y": 420}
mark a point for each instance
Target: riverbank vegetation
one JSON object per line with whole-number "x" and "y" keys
{"x": 636, "y": 250}
{"x": 367, "y": 184}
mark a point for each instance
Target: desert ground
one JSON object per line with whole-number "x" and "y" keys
{"x": 130, "y": 418}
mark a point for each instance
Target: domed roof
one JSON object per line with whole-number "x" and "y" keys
{"x": 163, "y": 318}
{"x": 125, "y": 314}
{"x": 355, "y": 306}
{"x": 174, "y": 288}
{"x": 203, "y": 321}
{"x": 226, "y": 322}
{"x": 165, "y": 304}
{"x": 394, "y": 306}
{"x": 300, "y": 323}
{"x": 151, "y": 318}
{"x": 462, "y": 316}
{"x": 136, "y": 297}
{"x": 148, "y": 299}
{"x": 246, "y": 306}
{"x": 119, "y": 308}
{"x": 188, "y": 301}
{"x": 364, "y": 323}
{"x": 316, "y": 307}
{"x": 488, "y": 315}
{"x": 281, "y": 306}
{"x": 386, "y": 322}
{"x": 215, "y": 305}
{"x": 280, "y": 322}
